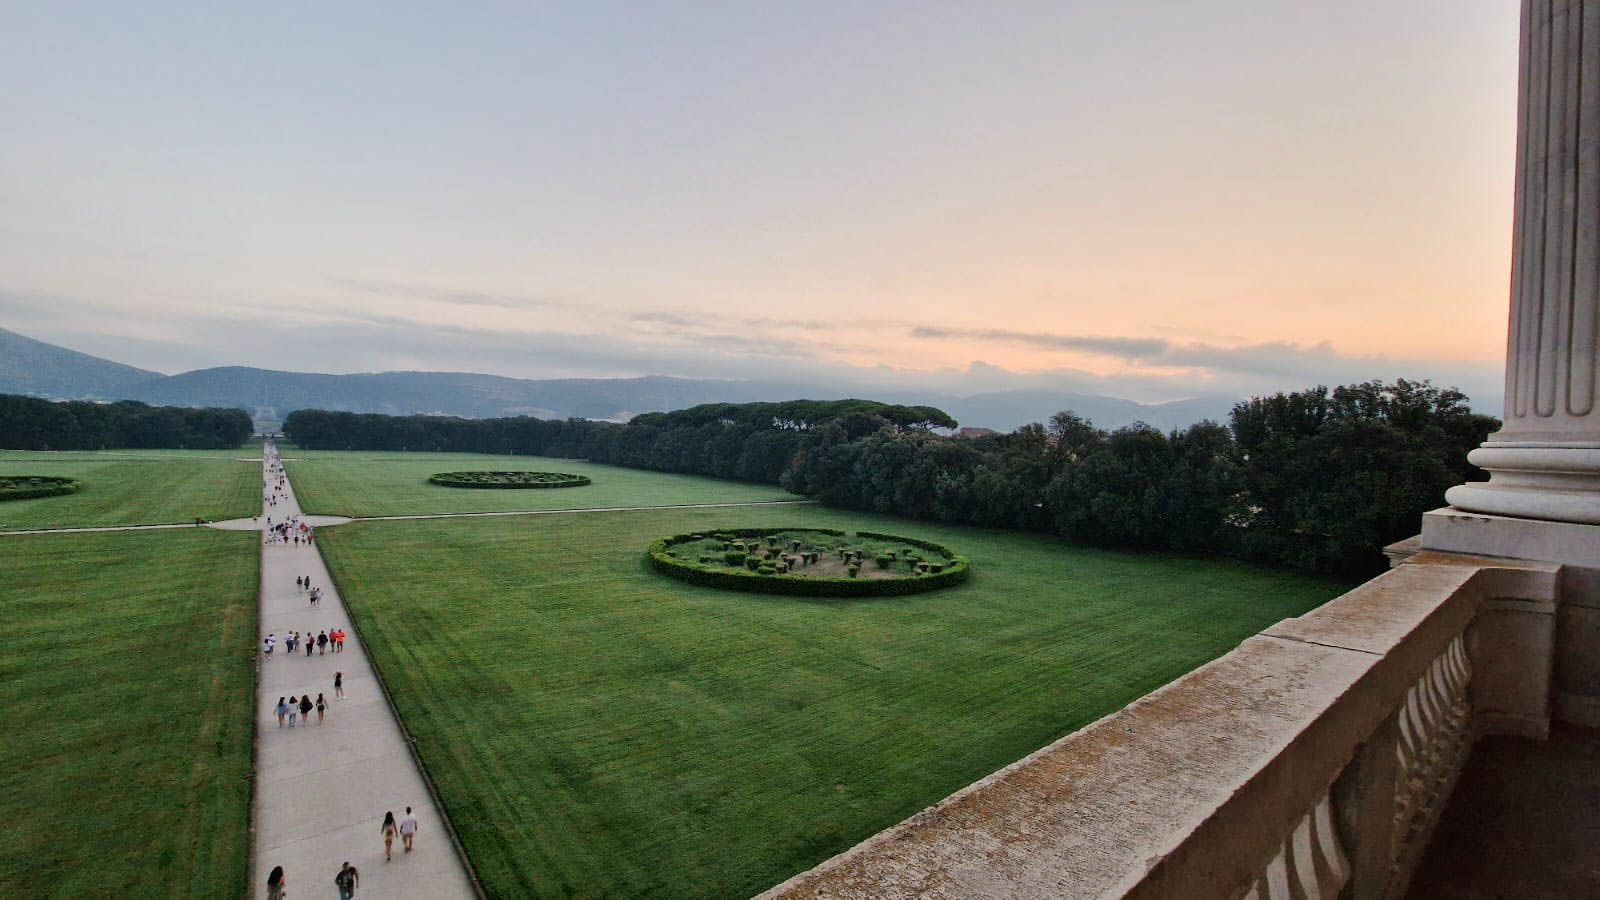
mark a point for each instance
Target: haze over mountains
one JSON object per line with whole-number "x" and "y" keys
{"x": 28, "y": 366}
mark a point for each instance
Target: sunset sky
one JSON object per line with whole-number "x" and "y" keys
{"x": 1150, "y": 199}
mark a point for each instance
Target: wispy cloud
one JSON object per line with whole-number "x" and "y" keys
{"x": 1122, "y": 347}
{"x": 449, "y": 296}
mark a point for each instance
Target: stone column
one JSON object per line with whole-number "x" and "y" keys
{"x": 1545, "y": 462}
{"x": 1542, "y": 500}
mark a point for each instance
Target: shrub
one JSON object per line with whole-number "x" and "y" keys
{"x": 883, "y": 560}
{"x": 29, "y": 487}
{"x": 854, "y": 571}
{"x": 956, "y": 570}
{"x": 766, "y": 569}
{"x": 734, "y": 557}
{"x": 507, "y": 480}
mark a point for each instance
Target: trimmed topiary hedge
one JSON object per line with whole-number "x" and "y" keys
{"x": 956, "y": 569}
{"x": 507, "y": 480}
{"x": 28, "y": 487}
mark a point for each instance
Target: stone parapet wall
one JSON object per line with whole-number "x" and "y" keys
{"x": 1312, "y": 759}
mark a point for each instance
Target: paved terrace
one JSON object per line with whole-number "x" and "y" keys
{"x": 1524, "y": 822}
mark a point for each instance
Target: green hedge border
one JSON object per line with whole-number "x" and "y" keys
{"x": 744, "y": 580}
{"x": 38, "y": 486}
{"x": 444, "y": 479}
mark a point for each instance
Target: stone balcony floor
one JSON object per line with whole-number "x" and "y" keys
{"x": 1524, "y": 822}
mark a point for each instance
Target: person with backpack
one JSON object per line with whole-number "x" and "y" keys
{"x": 347, "y": 881}
{"x": 322, "y": 642}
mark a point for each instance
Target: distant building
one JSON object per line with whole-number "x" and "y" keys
{"x": 970, "y": 433}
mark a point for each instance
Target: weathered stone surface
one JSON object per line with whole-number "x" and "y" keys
{"x": 1190, "y": 790}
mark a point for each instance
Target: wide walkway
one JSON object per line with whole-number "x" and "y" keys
{"x": 322, "y": 790}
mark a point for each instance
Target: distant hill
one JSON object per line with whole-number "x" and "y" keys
{"x": 1008, "y": 410}
{"x": 444, "y": 393}
{"x": 33, "y": 367}
{"x": 28, "y": 366}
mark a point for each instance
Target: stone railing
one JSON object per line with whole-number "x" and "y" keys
{"x": 1312, "y": 761}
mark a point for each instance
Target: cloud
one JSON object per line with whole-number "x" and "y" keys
{"x": 348, "y": 338}
{"x": 1121, "y": 347}
{"x": 449, "y": 296}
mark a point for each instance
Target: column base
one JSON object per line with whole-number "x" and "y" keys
{"x": 1547, "y": 480}
{"x": 1453, "y": 530}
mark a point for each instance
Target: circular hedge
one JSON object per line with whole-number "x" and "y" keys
{"x": 27, "y": 487}
{"x": 809, "y": 562}
{"x": 508, "y": 480}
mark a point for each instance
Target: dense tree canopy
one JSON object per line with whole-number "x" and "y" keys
{"x": 1316, "y": 479}
{"x": 745, "y": 441}
{"x": 29, "y": 423}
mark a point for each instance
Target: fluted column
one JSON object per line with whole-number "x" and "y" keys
{"x": 1545, "y": 462}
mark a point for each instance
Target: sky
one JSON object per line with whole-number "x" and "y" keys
{"x": 1152, "y": 200}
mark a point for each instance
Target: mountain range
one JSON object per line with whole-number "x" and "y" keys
{"x": 33, "y": 367}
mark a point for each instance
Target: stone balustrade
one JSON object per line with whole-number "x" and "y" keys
{"x": 1312, "y": 761}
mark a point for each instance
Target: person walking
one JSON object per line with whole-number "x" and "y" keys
{"x": 276, "y": 881}
{"x": 322, "y": 708}
{"x": 311, "y": 644}
{"x": 305, "y": 707}
{"x": 389, "y": 830}
{"x": 267, "y": 644}
{"x": 338, "y": 685}
{"x": 294, "y": 710}
{"x": 322, "y": 642}
{"x": 347, "y": 881}
{"x": 338, "y": 640}
{"x": 282, "y": 710}
{"x": 408, "y": 829}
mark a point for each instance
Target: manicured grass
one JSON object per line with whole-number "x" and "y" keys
{"x": 133, "y": 487}
{"x": 126, "y": 673}
{"x": 597, "y": 729}
{"x": 354, "y": 483}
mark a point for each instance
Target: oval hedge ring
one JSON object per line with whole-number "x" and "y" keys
{"x": 27, "y": 487}
{"x": 809, "y": 562}
{"x": 510, "y": 480}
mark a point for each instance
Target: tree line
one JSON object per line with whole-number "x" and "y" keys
{"x": 1318, "y": 480}
{"x": 742, "y": 441}
{"x": 29, "y": 423}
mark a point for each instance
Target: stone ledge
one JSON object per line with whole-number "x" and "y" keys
{"x": 1189, "y": 790}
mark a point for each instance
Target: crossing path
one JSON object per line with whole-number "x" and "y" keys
{"x": 322, "y": 790}
{"x": 319, "y": 521}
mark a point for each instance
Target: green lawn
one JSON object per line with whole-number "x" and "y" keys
{"x": 134, "y": 487}
{"x": 350, "y": 483}
{"x": 596, "y": 729}
{"x": 126, "y": 673}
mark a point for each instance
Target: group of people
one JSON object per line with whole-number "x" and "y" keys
{"x": 290, "y": 531}
{"x": 293, "y": 640}
{"x": 302, "y": 583}
{"x": 289, "y": 707}
{"x": 346, "y": 881}
{"x": 349, "y": 878}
